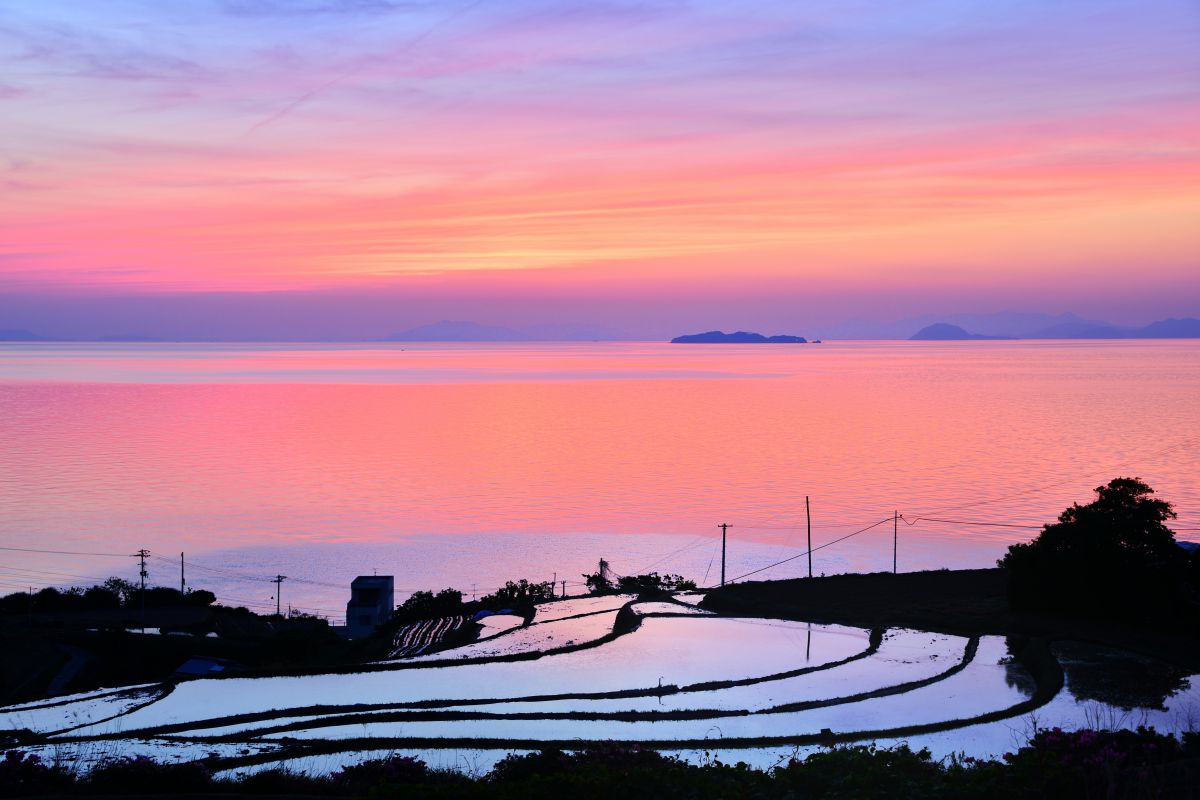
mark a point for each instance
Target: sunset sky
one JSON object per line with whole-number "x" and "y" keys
{"x": 347, "y": 168}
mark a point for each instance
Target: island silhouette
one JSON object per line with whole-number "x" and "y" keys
{"x": 737, "y": 337}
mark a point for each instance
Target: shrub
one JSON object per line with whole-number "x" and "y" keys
{"x": 277, "y": 781}
{"x": 22, "y": 773}
{"x": 144, "y": 775}
{"x": 518, "y": 593}
{"x": 1092, "y": 763}
{"x": 385, "y": 771}
{"x": 644, "y": 585}
{"x": 653, "y": 584}
{"x": 615, "y": 769}
{"x": 609, "y": 755}
{"x": 864, "y": 771}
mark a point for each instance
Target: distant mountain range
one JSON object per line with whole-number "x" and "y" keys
{"x": 21, "y": 335}
{"x": 945, "y": 332}
{"x": 1187, "y": 328}
{"x": 1004, "y": 325}
{"x": 1018, "y": 324}
{"x": 737, "y": 337}
{"x": 452, "y": 331}
{"x": 127, "y": 337}
{"x": 445, "y": 331}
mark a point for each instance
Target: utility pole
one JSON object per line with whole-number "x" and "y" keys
{"x": 808, "y": 518}
{"x": 472, "y": 593}
{"x": 182, "y": 582}
{"x": 141, "y": 556}
{"x": 278, "y": 581}
{"x": 724, "y": 526}
{"x": 895, "y": 537}
{"x": 564, "y": 585}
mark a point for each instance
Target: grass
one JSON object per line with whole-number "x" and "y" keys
{"x": 1080, "y": 764}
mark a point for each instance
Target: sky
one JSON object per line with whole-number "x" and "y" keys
{"x": 348, "y": 168}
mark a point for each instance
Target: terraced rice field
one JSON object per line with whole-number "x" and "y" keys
{"x": 416, "y": 638}
{"x": 676, "y": 678}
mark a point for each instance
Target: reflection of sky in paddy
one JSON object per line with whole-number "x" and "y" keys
{"x": 681, "y": 651}
{"x": 676, "y": 650}
{"x": 978, "y": 689}
{"x": 903, "y": 656}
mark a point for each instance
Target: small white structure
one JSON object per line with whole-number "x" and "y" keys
{"x": 372, "y": 601}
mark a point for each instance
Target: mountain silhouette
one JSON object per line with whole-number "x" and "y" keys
{"x": 945, "y": 332}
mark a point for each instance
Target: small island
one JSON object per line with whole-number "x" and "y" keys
{"x": 737, "y": 337}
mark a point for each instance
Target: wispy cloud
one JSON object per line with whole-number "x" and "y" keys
{"x": 262, "y": 144}
{"x": 310, "y": 8}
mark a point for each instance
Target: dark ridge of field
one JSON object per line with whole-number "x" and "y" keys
{"x": 962, "y": 602}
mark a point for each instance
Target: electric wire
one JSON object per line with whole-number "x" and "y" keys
{"x": 812, "y": 550}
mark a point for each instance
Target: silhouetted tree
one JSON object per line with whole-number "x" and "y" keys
{"x": 426, "y": 605}
{"x": 653, "y": 583}
{"x": 161, "y": 597}
{"x": 598, "y": 583}
{"x": 100, "y": 597}
{"x": 199, "y": 597}
{"x": 15, "y": 603}
{"x": 518, "y": 594}
{"x": 1113, "y": 556}
{"x": 122, "y": 588}
{"x": 48, "y": 600}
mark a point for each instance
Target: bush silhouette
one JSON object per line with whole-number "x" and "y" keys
{"x": 1113, "y": 557}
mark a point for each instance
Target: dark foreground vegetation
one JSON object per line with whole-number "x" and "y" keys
{"x": 1114, "y": 558}
{"x": 1054, "y": 764}
{"x": 62, "y": 641}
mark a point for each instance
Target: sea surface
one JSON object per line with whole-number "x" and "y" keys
{"x": 465, "y": 465}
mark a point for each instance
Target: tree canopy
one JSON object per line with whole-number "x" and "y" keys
{"x": 1113, "y": 556}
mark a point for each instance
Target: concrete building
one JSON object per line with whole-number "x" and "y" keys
{"x": 372, "y": 601}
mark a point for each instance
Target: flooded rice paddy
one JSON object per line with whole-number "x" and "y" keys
{"x": 677, "y": 678}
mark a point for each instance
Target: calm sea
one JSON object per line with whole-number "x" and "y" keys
{"x": 463, "y": 465}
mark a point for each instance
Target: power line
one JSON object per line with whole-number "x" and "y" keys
{"x": 716, "y": 546}
{"x": 49, "y": 572}
{"x": 64, "y": 552}
{"x": 699, "y": 540}
{"x": 252, "y": 578}
{"x": 822, "y": 526}
{"x": 981, "y": 524}
{"x": 813, "y": 550}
